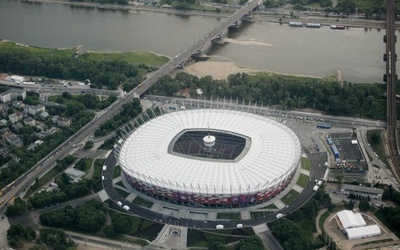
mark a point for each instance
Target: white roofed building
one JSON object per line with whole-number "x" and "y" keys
{"x": 362, "y": 232}
{"x": 210, "y": 157}
{"x": 350, "y": 219}
{"x": 355, "y": 226}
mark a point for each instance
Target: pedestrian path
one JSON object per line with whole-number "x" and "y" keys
{"x": 103, "y": 195}
{"x": 278, "y": 203}
{"x": 261, "y": 228}
{"x": 131, "y": 197}
{"x": 297, "y": 188}
{"x": 245, "y": 215}
{"x": 118, "y": 179}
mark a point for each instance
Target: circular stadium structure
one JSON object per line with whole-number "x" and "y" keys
{"x": 210, "y": 158}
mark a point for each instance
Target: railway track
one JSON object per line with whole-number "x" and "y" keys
{"x": 391, "y": 78}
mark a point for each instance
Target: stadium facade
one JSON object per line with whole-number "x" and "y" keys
{"x": 210, "y": 157}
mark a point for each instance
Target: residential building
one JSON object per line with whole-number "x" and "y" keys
{"x": 35, "y": 144}
{"x": 14, "y": 140}
{"x": 63, "y": 122}
{"x": 43, "y": 115}
{"x": 12, "y": 94}
{"x": 35, "y": 110}
{"x": 30, "y": 121}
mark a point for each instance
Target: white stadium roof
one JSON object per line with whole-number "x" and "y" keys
{"x": 350, "y": 219}
{"x": 274, "y": 151}
{"x": 361, "y": 232}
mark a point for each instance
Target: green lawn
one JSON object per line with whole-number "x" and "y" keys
{"x": 142, "y": 202}
{"x": 84, "y": 164}
{"x": 378, "y": 147}
{"x": 116, "y": 172}
{"x": 303, "y": 180}
{"x": 305, "y": 163}
{"x": 290, "y": 197}
{"x": 270, "y": 206}
{"x": 322, "y": 219}
{"x": 259, "y": 214}
{"x": 228, "y": 216}
{"x": 98, "y": 167}
{"x": 121, "y": 192}
{"x": 137, "y": 57}
{"x": 45, "y": 52}
{"x": 75, "y": 99}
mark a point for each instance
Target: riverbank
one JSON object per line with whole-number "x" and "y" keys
{"x": 226, "y": 12}
{"x": 220, "y": 70}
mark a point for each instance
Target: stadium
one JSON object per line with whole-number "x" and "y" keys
{"x": 210, "y": 158}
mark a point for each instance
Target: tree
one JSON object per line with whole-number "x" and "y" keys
{"x": 364, "y": 205}
{"x": 216, "y": 244}
{"x": 66, "y": 95}
{"x": 251, "y": 243}
{"x": 88, "y": 145}
{"x": 375, "y": 137}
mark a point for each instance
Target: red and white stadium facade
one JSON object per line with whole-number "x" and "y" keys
{"x": 265, "y": 168}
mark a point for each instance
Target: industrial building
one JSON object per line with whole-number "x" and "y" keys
{"x": 363, "y": 191}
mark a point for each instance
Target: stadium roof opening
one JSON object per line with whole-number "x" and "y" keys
{"x": 225, "y": 145}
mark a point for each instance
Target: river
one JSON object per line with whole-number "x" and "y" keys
{"x": 258, "y": 45}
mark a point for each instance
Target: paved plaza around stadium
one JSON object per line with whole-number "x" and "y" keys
{"x": 190, "y": 216}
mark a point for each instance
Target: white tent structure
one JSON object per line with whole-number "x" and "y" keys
{"x": 362, "y": 232}
{"x": 355, "y": 226}
{"x": 350, "y": 219}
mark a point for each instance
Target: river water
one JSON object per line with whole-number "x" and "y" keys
{"x": 258, "y": 45}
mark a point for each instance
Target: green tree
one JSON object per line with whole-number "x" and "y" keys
{"x": 88, "y": 145}
{"x": 250, "y": 243}
{"x": 66, "y": 95}
{"x": 364, "y": 205}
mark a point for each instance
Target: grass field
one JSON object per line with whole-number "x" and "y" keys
{"x": 260, "y": 214}
{"x": 142, "y": 202}
{"x": 322, "y": 219}
{"x": 134, "y": 58}
{"x": 47, "y": 53}
{"x": 121, "y": 192}
{"x": 116, "y": 172}
{"x": 290, "y": 197}
{"x": 138, "y": 57}
{"x": 303, "y": 180}
{"x": 84, "y": 164}
{"x": 378, "y": 147}
{"x": 228, "y": 216}
{"x": 305, "y": 163}
{"x": 98, "y": 165}
{"x": 270, "y": 206}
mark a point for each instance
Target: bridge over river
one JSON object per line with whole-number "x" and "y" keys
{"x": 196, "y": 49}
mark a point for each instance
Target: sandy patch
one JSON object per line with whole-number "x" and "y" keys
{"x": 218, "y": 70}
{"x": 222, "y": 69}
{"x": 252, "y": 42}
